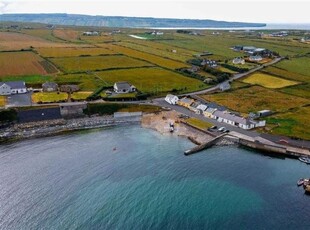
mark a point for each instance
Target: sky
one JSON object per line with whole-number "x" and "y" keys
{"x": 273, "y": 11}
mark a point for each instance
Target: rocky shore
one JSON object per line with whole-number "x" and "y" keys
{"x": 53, "y": 127}
{"x": 161, "y": 123}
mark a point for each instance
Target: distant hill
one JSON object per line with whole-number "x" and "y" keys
{"x": 123, "y": 22}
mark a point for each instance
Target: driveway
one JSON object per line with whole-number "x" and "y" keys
{"x": 19, "y": 100}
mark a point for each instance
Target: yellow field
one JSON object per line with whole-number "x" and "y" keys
{"x": 81, "y": 64}
{"x": 82, "y": 95}
{"x": 72, "y": 52}
{"x": 23, "y": 63}
{"x": 2, "y": 101}
{"x": 167, "y": 63}
{"x": 268, "y": 81}
{"x": 198, "y": 123}
{"x": 46, "y": 97}
{"x": 256, "y": 98}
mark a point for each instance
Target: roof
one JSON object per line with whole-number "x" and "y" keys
{"x": 211, "y": 110}
{"x": 15, "y": 84}
{"x": 186, "y": 100}
{"x": 232, "y": 117}
{"x": 122, "y": 85}
{"x": 171, "y": 96}
{"x": 202, "y": 107}
{"x": 49, "y": 84}
{"x": 225, "y": 85}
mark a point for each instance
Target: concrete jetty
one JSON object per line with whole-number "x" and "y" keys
{"x": 204, "y": 145}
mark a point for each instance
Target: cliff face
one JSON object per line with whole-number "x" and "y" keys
{"x": 130, "y": 22}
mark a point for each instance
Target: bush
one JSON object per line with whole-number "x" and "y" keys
{"x": 235, "y": 68}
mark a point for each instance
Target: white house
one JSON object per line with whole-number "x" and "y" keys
{"x": 171, "y": 99}
{"x": 235, "y": 120}
{"x": 255, "y": 58}
{"x": 12, "y": 87}
{"x": 224, "y": 86}
{"x": 124, "y": 87}
{"x": 238, "y": 61}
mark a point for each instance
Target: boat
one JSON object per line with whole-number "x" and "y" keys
{"x": 304, "y": 159}
{"x": 302, "y": 181}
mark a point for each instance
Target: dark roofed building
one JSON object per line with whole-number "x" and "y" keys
{"x": 69, "y": 88}
{"x": 49, "y": 87}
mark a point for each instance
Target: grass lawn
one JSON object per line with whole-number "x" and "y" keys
{"x": 256, "y": 98}
{"x": 46, "y": 97}
{"x": 121, "y": 95}
{"x": 72, "y": 52}
{"x": 268, "y": 81}
{"x": 198, "y": 123}
{"x": 82, "y": 95}
{"x": 294, "y": 123}
{"x": 2, "y": 101}
{"x": 296, "y": 65}
{"x": 83, "y": 64}
{"x": 153, "y": 80}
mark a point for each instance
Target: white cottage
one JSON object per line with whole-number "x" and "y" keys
{"x": 171, "y": 99}
{"x": 12, "y": 87}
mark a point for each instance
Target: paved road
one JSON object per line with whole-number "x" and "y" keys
{"x": 16, "y": 100}
{"x": 235, "y": 77}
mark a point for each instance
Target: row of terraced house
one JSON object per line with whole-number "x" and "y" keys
{"x": 214, "y": 111}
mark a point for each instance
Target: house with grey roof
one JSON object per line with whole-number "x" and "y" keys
{"x": 49, "y": 87}
{"x": 233, "y": 119}
{"x": 12, "y": 87}
{"x": 224, "y": 86}
{"x": 124, "y": 87}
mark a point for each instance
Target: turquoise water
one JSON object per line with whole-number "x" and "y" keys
{"x": 80, "y": 181}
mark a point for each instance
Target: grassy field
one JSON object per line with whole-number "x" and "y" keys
{"x": 294, "y": 123}
{"x": 296, "y": 65}
{"x": 298, "y": 90}
{"x": 286, "y": 74}
{"x": 47, "y": 97}
{"x": 82, "y": 64}
{"x": 42, "y": 33}
{"x": 257, "y": 98}
{"x": 268, "y": 81}
{"x": 198, "y": 123}
{"x": 2, "y": 101}
{"x": 160, "y": 61}
{"x": 72, "y": 52}
{"x": 24, "y": 63}
{"x": 153, "y": 80}
{"x": 82, "y": 95}
{"x": 67, "y": 35}
{"x": 29, "y": 79}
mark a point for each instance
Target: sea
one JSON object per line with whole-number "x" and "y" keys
{"x": 269, "y": 26}
{"x": 134, "y": 178}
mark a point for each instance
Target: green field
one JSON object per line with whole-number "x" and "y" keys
{"x": 30, "y": 79}
{"x": 81, "y": 95}
{"x": 96, "y": 63}
{"x": 198, "y": 123}
{"x": 296, "y": 65}
{"x": 153, "y": 80}
{"x": 73, "y": 52}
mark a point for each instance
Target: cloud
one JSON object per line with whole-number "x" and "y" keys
{"x": 4, "y": 6}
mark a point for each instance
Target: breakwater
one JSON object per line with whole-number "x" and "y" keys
{"x": 53, "y": 127}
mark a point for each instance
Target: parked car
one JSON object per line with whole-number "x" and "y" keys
{"x": 221, "y": 129}
{"x": 214, "y": 127}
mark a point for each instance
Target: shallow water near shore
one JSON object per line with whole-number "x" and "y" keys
{"x": 133, "y": 178}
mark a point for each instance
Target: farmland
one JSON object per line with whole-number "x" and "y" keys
{"x": 296, "y": 65}
{"x": 23, "y": 63}
{"x": 153, "y": 80}
{"x": 72, "y": 52}
{"x": 257, "y": 98}
{"x": 47, "y": 97}
{"x": 67, "y": 35}
{"x": 82, "y": 64}
{"x": 82, "y": 95}
{"x": 293, "y": 123}
{"x": 29, "y": 79}
{"x": 268, "y": 81}
{"x": 160, "y": 61}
